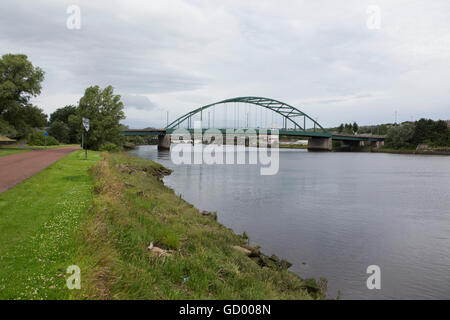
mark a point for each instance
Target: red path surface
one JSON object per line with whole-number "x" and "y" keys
{"x": 17, "y": 167}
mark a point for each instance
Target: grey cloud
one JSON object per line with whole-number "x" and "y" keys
{"x": 188, "y": 53}
{"x": 137, "y": 102}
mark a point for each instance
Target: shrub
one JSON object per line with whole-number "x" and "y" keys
{"x": 110, "y": 147}
{"x": 38, "y": 139}
{"x": 400, "y": 136}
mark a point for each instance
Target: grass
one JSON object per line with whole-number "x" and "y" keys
{"x": 103, "y": 221}
{"x": 131, "y": 209}
{"x": 434, "y": 151}
{"x": 53, "y": 147}
{"x": 39, "y": 223}
{"x": 13, "y": 149}
{"x": 8, "y": 151}
{"x": 292, "y": 146}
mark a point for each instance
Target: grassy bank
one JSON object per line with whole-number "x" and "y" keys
{"x": 103, "y": 216}
{"x": 51, "y": 147}
{"x": 39, "y": 223}
{"x": 6, "y": 151}
{"x": 13, "y": 149}
{"x": 292, "y": 146}
{"x": 141, "y": 241}
{"x": 432, "y": 151}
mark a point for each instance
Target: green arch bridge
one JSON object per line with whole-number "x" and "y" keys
{"x": 318, "y": 137}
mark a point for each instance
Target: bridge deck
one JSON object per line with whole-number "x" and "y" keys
{"x": 281, "y": 132}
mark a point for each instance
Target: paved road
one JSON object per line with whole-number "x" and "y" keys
{"x": 17, "y": 167}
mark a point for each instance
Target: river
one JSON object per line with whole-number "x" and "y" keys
{"x": 334, "y": 214}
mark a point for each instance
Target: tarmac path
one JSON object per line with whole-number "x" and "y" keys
{"x": 17, "y": 167}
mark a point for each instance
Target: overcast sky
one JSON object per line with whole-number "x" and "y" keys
{"x": 323, "y": 57}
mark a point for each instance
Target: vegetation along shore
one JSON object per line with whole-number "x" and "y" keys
{"x": 131, "y": 236}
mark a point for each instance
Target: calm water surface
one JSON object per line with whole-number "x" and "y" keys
{"x": 334, "y": 214}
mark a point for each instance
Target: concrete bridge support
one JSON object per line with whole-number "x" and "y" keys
{"x": 350, "y": 145}
{"x": 376, "y": 144}
{"x": 319, "y": 144}
{"x": 164, "y": 142}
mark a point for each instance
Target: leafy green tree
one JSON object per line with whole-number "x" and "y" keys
{"x": 63, "y": 115}
{"x": 104, "y": 110}
{"x": 341, "y": 128}
{"x": 431, "y": 132}
{"x": 355, "y": 127}
{"x": 6, "y": 129}
{"x": 348, "y": 128}
{"x": 60, "y": 131}
{"x": 382, "y": 129}
{"x": 19, "y": 82}
{"x": 24, "y": 118}
{"x": 400, "y": 136}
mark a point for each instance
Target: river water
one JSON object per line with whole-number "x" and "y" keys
{"x": 334, "y": 214}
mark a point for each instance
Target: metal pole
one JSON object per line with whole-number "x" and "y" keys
{"x": 85, "y": 149}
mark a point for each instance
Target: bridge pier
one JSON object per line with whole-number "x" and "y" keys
{"x": 350, "y": 145}
{"x": 164, "y": 142}
{"x": 376, "y": 144}
{"x": 319, "y": 144}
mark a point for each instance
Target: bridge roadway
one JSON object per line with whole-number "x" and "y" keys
{"x": 317, "y": 140}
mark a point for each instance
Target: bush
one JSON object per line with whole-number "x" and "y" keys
{"x": 60, "y": 131}
{"x": 400, "y": 136}
{"x": 110, "y": 147}
{"x": 38, "y": 139}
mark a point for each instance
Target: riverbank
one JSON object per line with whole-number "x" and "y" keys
{"x": 292, "y": 146}
{"x": 427, "y": 151}
{"x": 132, "y": 238}
{"x": 142, "y": 241}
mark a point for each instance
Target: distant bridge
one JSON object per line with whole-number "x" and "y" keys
{"x": 319, "y": 138}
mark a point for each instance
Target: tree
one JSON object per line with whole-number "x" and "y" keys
{"x": 341, "y": 128}
{"x": 355, "y": 127}
{"x": 6, "y": 129}
{"x": 24, "y": 118}
{"x": 104, "y": 110}
{"x": 441, "y": 132}
{"x": 431, "y": 132}
{"x": 348, "y": 128}
{"x": 60, "y": 131}
{"x": 400, "y": 136}
{"x": 19, "y": 82}
{"x": 64, "y": 115}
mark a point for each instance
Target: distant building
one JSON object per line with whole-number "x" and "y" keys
{"x": 448, "y": 123}
{"x": 6, "y": 140}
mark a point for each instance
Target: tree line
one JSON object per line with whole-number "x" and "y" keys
{"x": 405, "y": 135}
{"x": 20, "y": 81}
{"x": 348, "y": 128}
{"x": 423, "y": 131}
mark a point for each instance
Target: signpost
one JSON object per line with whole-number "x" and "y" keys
{"x": 86, "y": 126}
{"x": 45, "y": 138}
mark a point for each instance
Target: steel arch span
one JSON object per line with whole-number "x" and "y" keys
{"x": 289, "y": 112}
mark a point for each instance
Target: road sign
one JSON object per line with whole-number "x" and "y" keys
{"x": 86, "y": 124}
{"x": 45, "y": 134}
